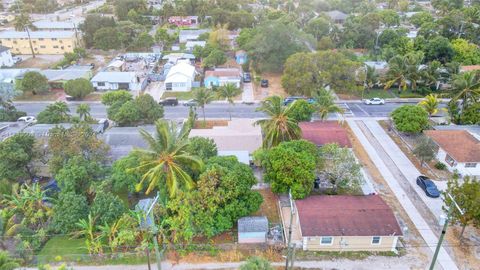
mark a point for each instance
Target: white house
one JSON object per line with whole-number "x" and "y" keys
{"x": 6, "y": 59}
{"x": 115, "y": 80}
{"x": 458, "y": 149}
{"x": 180, "y": 77}
{"x": 191, "y": 44}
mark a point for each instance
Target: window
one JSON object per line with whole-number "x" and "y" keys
{"x": 100, "y": 84}
{"x": 43, "y": 46}
{"x": 40, "y": 39}
{"x": 168, "y": 86}
{"x": 54, "y": 39}
{"x": 326, "y": 240}
{"x": 450, "y": 161}
{"x": 470, "y": 165}
{"x": 123, "y": 86}
{"x": 55, "y": 47}
{"x": 376, "y": 240}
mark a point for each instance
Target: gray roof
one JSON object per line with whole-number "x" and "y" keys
{"x": 3, "y": 48}
{"x": 473, "y": 129}
{"x": 54, "y": 25}
{"x": 336, "y": 15}
{"x": 115, "y": 76}
{"x": 197, "y": 32}
{"x": 37, "y": 34}
{"x": 122, "y": 140}
{"x": 64, "y": 74}
{"x": 253, "y": 224}
{"x": 8, "y": 129}
{"x": 42, "y": 130}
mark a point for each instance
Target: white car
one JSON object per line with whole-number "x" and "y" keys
{"x": 374, "y": 101}
{"x": 27, "y": 119}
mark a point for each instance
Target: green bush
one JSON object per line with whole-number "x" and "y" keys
{"x": 410, "y": 118}
{"x": 440, "y": 166}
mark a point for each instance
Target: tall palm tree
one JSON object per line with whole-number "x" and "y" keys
{"x": 280, "y": 125}
{"x": 430, "y": 104}
{"x": 24, "y": 23}
{"x": 414, "y": 72}
{"x": 6, "y": 262}
{"x": 228, "y": 92}
{"x": 167, "y": 160}
{"x": 83, "y": 111}
{"x": 466, "y": 86}
{"x": 325, "y": 103}
{"x": 371, "y": 77}
{"x": 203, "y": 96}
{"x": 61, "y": 108}
{"x": 397, "y": 73}
{"x": 432, "y": 74}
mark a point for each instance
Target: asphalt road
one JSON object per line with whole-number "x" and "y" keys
{"x": 221, "y": 110}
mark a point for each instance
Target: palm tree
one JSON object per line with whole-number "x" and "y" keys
{"x": 6, "y": 262}
{"x": 397, "y": 73}
{"x": 228, "y": 92}
{"x": 430, "y": 104}
{"x": 167, "y": 160}
{"x": 203, "y": 96}
{"x": 466, "y": 86}
{"x": 83, "y": 111}
{"x": 23, "y": 23}
{"x": 325, "y": 104}
{"x": 371, "y": 77}
{"x": 432, "y": 74}
{"x": 280, "y": 126}
{"x": 414, "y": 71}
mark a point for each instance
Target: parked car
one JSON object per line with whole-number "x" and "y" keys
{"x": 169, "y": 101}
{"x": 428, "y": 186}
{"x": 291, "y": 99}
{"x": 190, "y": 103}
{"x": 247, "y": 77}
{"x": 17, "y": 59}
{"x": 27, "y": 119}
{"x": 374, "y": 101}
{"x": 104, "y": 124}
{"x": 264, "y": 83}
{"x": 69, "y": 98}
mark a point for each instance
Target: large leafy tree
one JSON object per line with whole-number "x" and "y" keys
{"x": 107, "y": 207}
{"x": 425, "y": 150}
{"x": 302, "y": 110}
{"x": 202, "y": 147}
{"x": 16, "y": 155}
{"x": 301, "y": 75}
{"x": 92, "y": 23}
{"x": 340, "y": 167}
{"x": 466, "y": 194}
{"x": 465, "y": 52}
{"x": 466, "y": 87}
{"x": 67, "y": 211}
{"x": 167, "y": 160}
{"x": 122, "y": 178}
{"x": 439, "y": 48}
{"x": 107, "y": 38}
{"x": 280, "y": 125}
{"x": 325, "y": 103}
{"x": 55, "y": 113}
{"x": 34, "y": 82}
{"x": 229, "y": 92}
{"x": 410, "y": 118}
{"x": 292, "y": 166}
{"x": 77, "y": 174}
{"x": 78, "y": 88}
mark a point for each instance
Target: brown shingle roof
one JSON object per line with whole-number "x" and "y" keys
{"x": 459, "y": 144}
{"x": 321, "y": 133}
{"x": 223, "y": 72}
{"x": 338, "y": 215}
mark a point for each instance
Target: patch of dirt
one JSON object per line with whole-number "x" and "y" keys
{"x": 40, "y": 61}
{"x": 269, "y": 207}
{"x": 96, "y": 96}
{"x": 274, "y": 86}
{"x": 465, "y": 250}
{"x": 200, "y": 124}
{"x": 51, "y": 95}
{"x": 413, "y": 241}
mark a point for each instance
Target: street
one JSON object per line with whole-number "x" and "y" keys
{"x": 218, "y": 110}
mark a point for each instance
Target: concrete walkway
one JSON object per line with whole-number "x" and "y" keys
{"x": 444, "y": 259}
{"x": 247, "y": 94}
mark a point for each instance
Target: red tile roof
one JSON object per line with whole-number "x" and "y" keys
{"x": 469, "y": 68}
{"x": 337, "y": 215}
{"x": 459, "y": 144}
{"x": 324, "y": 132}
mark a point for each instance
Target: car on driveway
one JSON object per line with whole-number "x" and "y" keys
{"x": 27, "y": 119}
{"x": 169, "y": 101}
{"x": 264, "y": 83}
{"x": 190, "y": 103}
{"x": 247, "y": 77}
{"x": 428, "y": 186}
{"x": 374, "y": 101}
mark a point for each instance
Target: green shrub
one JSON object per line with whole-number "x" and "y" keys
{"x": 410, "y": 118}
{"x": 440, "y": 166}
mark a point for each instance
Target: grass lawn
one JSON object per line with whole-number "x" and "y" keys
{"x": 49, "y": 96}
{"x": 68, "y": 249}
{"x": 179, "y": 95}
{"x": 409, "y": 94}
{"x": 380, "y": 93}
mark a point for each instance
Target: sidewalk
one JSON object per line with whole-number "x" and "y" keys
{"x": 444, "y": 259}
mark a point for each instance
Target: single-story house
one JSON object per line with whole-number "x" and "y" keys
{"x": 237, "y": 135}
{"x": 223, "y": 76}
{"x": 174, "y": 57}
{"x": 190, "y": 45}
{"x": 115, "y": 80}
{"x": 346, "y": 223}
{"x": 48, "y": 25}
{"x": 58, "y": 77}
{"x": 116, "y": 65}
{"x": 337, "y": 16}
{"x": 252, "y": 230}
{"x": 325, "y": 132}
{"x": 186, "y": 35}
{"x": 241, "y": 57}
{"x": 6, "y": 59}
{"x": 183, "y": 20}
{"x": 458, "y": 149}
{"x": 180, "y": 77}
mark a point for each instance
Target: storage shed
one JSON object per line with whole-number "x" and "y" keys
{"x": 252, "y": 230}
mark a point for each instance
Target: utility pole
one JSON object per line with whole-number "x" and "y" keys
{"x": 155, "y": 232}
{"x": 292, "y": 211}
{"x": 444, "y": 229}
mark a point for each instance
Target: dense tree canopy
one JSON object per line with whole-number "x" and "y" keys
{"x": 55, "y": 113}
{"x": 16, "y": 155}
{"x": 78, "y": 88}
{"x": 410, "y": 118}
{"x": 202, "y": 147}
{"x": 34, "y": 82}
{"x": 68, "y": 210}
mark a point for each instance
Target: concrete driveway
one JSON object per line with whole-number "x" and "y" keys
{"x": 155, "y": 89}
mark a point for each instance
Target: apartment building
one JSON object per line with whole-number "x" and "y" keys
{"x": 44, "y": 42}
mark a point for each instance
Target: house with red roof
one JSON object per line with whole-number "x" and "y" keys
{"x": 345, "y": 223}
{"x": 325, "y": 132}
